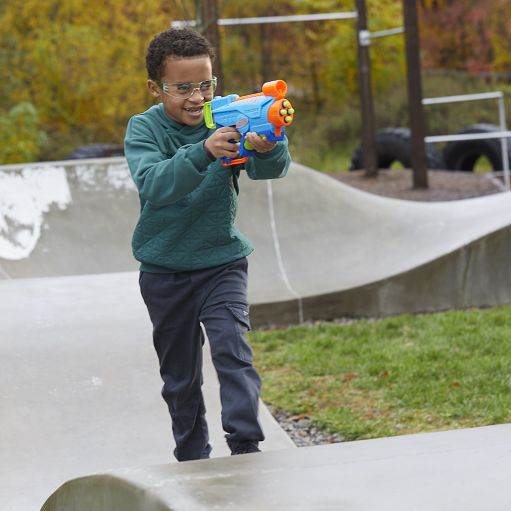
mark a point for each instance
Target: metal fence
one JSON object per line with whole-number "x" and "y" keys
{"x": 503, "y": 134}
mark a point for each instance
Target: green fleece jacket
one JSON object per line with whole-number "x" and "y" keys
{"x": 188, "y": 202}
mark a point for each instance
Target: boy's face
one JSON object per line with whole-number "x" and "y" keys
{"x": 180, "y": 70}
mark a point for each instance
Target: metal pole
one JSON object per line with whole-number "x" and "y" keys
{"x": 504, "y": 141}
{"x": 366, "y": 98}
{"x": 413, "y": 69}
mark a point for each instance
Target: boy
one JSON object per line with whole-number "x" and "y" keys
{"x": 193, "y": 260}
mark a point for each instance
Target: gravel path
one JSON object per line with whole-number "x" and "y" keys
{"x": 301, "y": 430}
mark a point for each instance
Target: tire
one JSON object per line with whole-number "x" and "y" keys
{"x": 463, "y": 155}
{"x": 96, "y": 151}
{"x": 393, "y": 145}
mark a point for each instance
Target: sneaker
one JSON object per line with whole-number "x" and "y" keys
{"x": 244, "y": 448}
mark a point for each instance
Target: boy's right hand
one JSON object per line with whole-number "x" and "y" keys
{"x": 221, "y": 144}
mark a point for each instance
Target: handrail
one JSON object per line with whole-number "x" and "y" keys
{"x": 503, "y": 134}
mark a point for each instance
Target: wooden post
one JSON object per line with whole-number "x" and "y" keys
{"x": 413, "y": 70}
{"x": 366, "y": 97}
{"x": 207, "y": 24}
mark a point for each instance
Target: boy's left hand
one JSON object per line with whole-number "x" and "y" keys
{"x": 260, "y": 144}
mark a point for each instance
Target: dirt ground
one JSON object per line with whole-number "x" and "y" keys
{"x": 443, "y": 185}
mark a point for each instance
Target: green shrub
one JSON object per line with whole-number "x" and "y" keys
{"x": 20, "y": 134}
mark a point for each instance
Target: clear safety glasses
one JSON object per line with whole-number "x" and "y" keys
{"x": 187, "y": 89}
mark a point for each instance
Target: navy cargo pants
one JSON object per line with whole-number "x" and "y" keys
{"x": 177, "y": 304}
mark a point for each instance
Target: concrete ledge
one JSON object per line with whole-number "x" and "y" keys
{"x": 464, "y": 470}
{"x": 103, "y": 493}
{"x": 475, "y": 275}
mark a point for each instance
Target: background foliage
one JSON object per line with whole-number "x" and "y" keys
{"x": 20, "y": 134}
{"x": 80, "y": 65}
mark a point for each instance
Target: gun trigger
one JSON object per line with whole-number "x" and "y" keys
{"x": 247, "y": 145}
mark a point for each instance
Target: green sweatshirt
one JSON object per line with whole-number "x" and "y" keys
{"x": 188, "y": 202}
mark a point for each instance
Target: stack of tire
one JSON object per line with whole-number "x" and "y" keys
{"x": 462, "y": 155}
{"x": 393, "y": 145}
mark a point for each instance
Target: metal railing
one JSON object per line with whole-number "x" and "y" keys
{"x": 271, "y": 19}
{"x": 503, "y": 134}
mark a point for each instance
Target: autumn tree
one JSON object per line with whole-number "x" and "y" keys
{"x": 318, "y": 58}
{"x": 20, "y": 134}
{"x": 79, "y": 62}
{"x": 499, "y": 22}
{"x": 470, "y": 35}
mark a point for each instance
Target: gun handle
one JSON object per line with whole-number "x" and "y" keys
{"x": 228, "y": 162}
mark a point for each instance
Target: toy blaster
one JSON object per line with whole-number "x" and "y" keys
{"x": 266, "y": 113}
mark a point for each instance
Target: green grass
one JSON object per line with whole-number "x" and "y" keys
{"x": 405, "y": 374}
{"x": 483, "y": 165}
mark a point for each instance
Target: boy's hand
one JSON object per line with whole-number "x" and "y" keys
{"x": 221, "y": 144}
{"x": 260, "y": 143}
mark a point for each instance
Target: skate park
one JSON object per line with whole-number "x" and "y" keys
{"x": 83, "y": 424}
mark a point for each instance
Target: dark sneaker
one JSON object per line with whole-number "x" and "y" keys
{"x": 244, "y": 448}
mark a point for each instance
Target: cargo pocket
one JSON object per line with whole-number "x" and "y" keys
{"x": 242, "y": 326}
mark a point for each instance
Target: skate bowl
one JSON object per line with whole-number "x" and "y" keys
{"x": 323, "y": 250}
{"x": 79, "y": 385}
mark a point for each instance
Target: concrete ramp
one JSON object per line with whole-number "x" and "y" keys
{"x": 465, "y": 470}
{"x": 323, "y": 249}
{"x": 66, "y": 218}
{"x": 79, "y": 386}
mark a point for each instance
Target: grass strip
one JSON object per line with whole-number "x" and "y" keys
{"x": 404, "y": 374}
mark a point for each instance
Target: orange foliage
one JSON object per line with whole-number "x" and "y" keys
{"x": 465, "y": 34}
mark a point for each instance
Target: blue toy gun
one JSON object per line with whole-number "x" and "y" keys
{"x": 265, "y": 113}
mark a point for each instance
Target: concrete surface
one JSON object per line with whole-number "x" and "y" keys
{"x": 80, "y": 389}
{"x": 465, "y": 470}
{"x": 79, "y": 386}
{"x": 66, "y": 218}
{"x": 323, "y": 249}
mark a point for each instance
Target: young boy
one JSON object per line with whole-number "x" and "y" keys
{"x": 193, "y": 260}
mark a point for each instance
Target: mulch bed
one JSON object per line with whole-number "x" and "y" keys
{"x": 442, "y": 185}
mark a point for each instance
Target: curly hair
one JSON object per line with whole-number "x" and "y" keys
{"x": 175, "y": 42}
